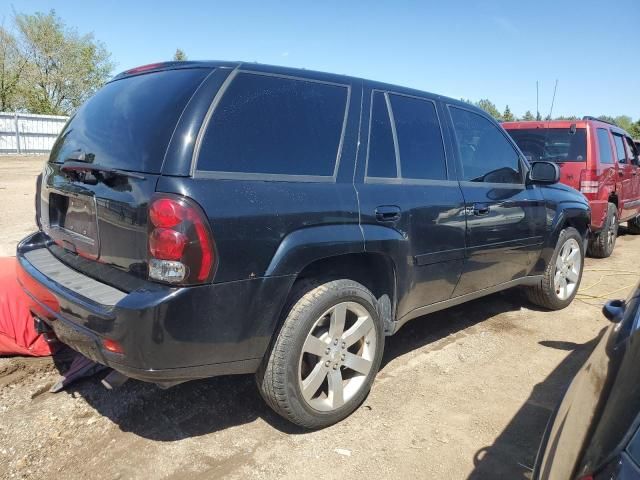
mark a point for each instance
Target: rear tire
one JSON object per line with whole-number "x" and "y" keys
{"x": 326, "y": 356}
{"x": 563, "y": 274}
{"x": 601, "y": 244}
{"x": 633, "y": 225}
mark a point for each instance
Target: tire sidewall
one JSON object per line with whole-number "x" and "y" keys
{"x": 612, "y": 218}
{"x": 351, "y": 292}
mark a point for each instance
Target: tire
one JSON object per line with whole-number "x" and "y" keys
{"x": 633, "y": 225}
{"x": 569, "y": 258}
{"x": 301, "y": 378}
{"x": 601, "y": 244}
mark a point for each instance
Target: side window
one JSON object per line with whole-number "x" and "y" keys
{"x": 632, "y": 151}
{"x": 621, "y": 155}
{"x": 275, "y": 125}
{"x": 604, "y": 146}
{"x": 486, "y": 155}
{"x": 381, "y": 162}
{"x": 419, "y": 138}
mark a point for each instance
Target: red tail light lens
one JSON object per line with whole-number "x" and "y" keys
{"x": 166, "y": 213}
{"x": 181, "y": 247}
{"x": 589, "y": 182}
{"x": 167, "y": 244}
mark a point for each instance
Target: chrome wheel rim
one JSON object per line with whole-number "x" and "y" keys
{"x": 613, "y": 230}
{"x": 337, "y": 356}
{"x": 568, "y": 266}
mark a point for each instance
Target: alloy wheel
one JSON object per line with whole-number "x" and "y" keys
{"x": 337, "y": 356}
{"x": 568, "y": 267}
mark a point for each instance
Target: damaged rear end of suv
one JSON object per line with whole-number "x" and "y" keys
{"x": 121, "y": 268}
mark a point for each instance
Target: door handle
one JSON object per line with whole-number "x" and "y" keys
{"x": 621, "y": 173}
{"x": 481, "y": 209}
{"x": 387, "y": 213}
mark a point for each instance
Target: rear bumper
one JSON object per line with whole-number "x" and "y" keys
{"x": 168, "y": 335}
{"x": 598, "y": 214}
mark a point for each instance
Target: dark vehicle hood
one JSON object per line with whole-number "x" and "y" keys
{"x": 593, "y": 422}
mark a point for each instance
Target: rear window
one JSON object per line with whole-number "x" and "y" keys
{"x": 128, "y": 123}
{"x": 604, "y": 146}
{"x": 275, "y": 125}
{"x": 552, "y": 144}
{"x": 419, "y": 138}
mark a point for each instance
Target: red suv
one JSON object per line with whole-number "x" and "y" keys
{"x": 597, "y": 158}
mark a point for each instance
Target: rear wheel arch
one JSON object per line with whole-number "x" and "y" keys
{"x": 375, "y": 271}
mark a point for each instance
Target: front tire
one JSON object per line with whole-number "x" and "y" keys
{"x": 326, "y": 356}
{"x": 563, "y": 274}
{"x": 602, "y": 243}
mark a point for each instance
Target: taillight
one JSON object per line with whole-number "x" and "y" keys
{"x": 181, "y": 247}
{"x": 589, "y": 182}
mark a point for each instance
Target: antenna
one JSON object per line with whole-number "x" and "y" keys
{"x": 553, "y": 99}
{"x": 537, "y": 102}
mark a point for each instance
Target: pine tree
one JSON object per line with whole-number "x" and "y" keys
{"x": 507, "y": 116}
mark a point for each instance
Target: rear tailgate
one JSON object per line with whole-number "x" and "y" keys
{"x": 104, "y": 167}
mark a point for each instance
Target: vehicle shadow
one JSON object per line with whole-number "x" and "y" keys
{"x": 513, "y": 453}
{"x": 205, "y": 406}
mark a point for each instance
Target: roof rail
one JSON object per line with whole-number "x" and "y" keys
{"x": 589, "y": 117}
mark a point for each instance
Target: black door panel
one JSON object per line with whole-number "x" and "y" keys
{"x": 506, "y": 220}
{"x": 427, "y": 213}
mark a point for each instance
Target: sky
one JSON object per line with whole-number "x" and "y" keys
{"x": 469, "y": 49}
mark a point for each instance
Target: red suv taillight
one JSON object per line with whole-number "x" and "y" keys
{"x": 589, "y": 183}
{"x": 181, "y": 249}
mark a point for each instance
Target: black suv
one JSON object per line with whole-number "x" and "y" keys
{"x": 209, "y": 218}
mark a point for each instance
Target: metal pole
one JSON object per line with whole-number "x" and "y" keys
{"x": 15, "y": 117}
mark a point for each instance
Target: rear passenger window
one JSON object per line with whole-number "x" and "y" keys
{"x": 274, "y": 125}
{"x": 604, "y": 146}
{"x": 419, "y": 138}
{"x": 620, "y": 152}
{"x": 632, "y": 151}
{"x": 382, "y": 156}
{"x": 485, "y": 153}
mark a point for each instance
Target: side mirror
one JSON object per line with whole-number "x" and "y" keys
{"x": 614, "y": 310}
{"x": 544, "y": 173}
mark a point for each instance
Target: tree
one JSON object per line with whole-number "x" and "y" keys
{"x": 528, "y": 116}
{"x": 623, "y": 121}
{"x": 634, "y": 131}
{"x": 63, "y": 68}
{"x": 607, "y": 118}
{"x": 507, "y": 116}
{"x": 12, "y": 65}
{"x": 489, "y": 107}
{"x": 179, "y": 56}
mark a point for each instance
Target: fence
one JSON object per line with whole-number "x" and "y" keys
{"x": 24, "y": 133}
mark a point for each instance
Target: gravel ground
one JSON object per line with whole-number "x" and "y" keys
{"x": 463, "y": 393}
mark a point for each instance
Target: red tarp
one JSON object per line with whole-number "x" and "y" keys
{"x": 17, "y": 332}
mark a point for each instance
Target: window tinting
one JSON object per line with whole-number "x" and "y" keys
{"x": 634, "y": 448}
{"x": 382, "y": 155}
{"x": 604, "y": 146}
{"x": 551, "y": 144}
{"x": 621, "y": 155}
{"x": 419, "y": 138}
{"x": 127, "y": 124}
{"x": 632, "y": 151}
{"x": 274, "y": 125}
{"x": 486, "y": 155}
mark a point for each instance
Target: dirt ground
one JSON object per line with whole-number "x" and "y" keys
{"x": 463, "y": 393}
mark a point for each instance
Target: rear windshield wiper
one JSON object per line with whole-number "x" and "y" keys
{"x": 79, "y": 165}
